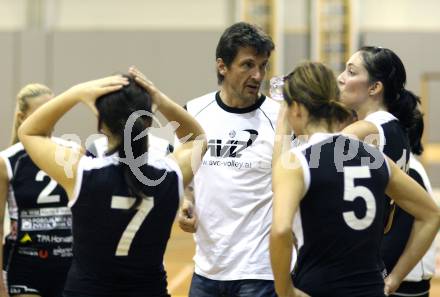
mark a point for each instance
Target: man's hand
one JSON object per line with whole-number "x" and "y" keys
{"x": 187, "y": 218}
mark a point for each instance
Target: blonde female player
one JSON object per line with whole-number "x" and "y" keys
{"x": 38, "y": 252}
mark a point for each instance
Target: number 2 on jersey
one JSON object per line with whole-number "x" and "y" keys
{"x": 129, "y": 233}
{"x": 351, "y": 192}
{"x": 45, "y": 196}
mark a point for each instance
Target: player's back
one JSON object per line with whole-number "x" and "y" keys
{"x": 119, "y": 251}
{"x": 339, "y": 225}
{"x": 39, "y": 205}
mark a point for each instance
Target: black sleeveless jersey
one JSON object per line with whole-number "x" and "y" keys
{"x": 395, "y": 144}
{"x": 401, "y": 230}
{"x": 39, "y": 205}
{"x": 339, "y": 225}
{"x": 119, "y": 251}
{"x": 393, "y": 137}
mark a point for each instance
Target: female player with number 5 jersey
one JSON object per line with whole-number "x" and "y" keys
{"x": 332, "y": 191}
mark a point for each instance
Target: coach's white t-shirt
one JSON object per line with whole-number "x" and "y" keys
{"x": 233, "y": 190}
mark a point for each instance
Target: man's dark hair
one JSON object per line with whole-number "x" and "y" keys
{"x": 241, "y": 35}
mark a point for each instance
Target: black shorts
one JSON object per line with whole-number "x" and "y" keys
{"x": 83, "y": 282}
{"x": 35, "y": 276}
{"x": 71, "y": 294}
{"x": 416, "y": 289}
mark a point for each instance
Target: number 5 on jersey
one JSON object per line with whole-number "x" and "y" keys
{"x": 129, "y": 233}
{"x": 351, "y": 192}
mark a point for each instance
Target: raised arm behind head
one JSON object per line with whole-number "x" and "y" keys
{"x": 35, "y": 131}
{"x": 189, "y": 154}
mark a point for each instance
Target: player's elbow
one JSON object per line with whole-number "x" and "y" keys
{"x": 432, "y": 217}
{"x": 21, "y": 133}
{"x": 280, "y": 232}
{"x": 436, "y": 217}
{"x": 203, "y": 143}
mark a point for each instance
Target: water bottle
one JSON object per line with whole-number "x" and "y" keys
{"x": 276, "y": 88}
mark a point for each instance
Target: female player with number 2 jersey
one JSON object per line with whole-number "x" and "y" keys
{"x": 123, "y": 204}
{"x": 38, "y": 251}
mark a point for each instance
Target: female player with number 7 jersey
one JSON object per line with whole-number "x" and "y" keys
{"x": 123, "y": 204}
{"x": 332, "y": 191}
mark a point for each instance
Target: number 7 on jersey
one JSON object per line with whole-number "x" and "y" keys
{"x": 129, "y": 233}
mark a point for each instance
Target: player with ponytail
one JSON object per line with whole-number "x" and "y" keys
{"x": 331, "y": 189}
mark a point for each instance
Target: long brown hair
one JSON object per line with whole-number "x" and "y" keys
{"x": 314, "y": 85}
